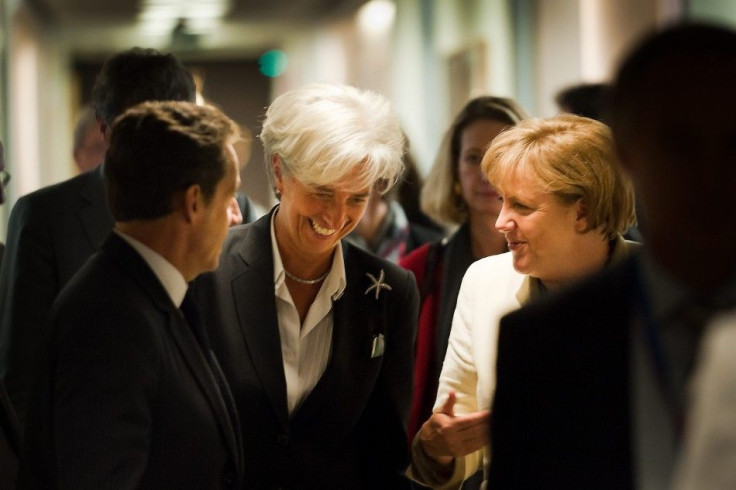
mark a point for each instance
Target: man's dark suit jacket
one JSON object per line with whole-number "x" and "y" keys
{"x": 127, "y": 398}
{"x": 561, "y": 415}
{"x": 50, "y": 234}
{"x": 350, "y": 432}
{"x": 9, "y": 441}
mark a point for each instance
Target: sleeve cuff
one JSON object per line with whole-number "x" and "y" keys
{"x": 426, "y": 471}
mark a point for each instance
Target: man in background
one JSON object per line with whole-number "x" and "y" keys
{"x": 9, "y": 430}
{"x": 4, "y": 179}
{"x": 584, "y": 99}
{"x": 89, "y": 145}
{"x": 53, "y": 231}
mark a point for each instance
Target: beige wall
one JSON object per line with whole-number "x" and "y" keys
{"x": 445, "y": 52}
{"x": 39, "y": 107}
{"x": 583, "y": 40}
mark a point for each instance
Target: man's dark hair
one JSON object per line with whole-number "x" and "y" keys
{"x": 585, "y": 99}
{"x": 138, "y": 75}
{"x": 160, "y": 148}
{"x": 682, "y": 43}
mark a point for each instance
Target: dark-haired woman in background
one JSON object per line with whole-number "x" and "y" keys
{"x": 456, "y": 193}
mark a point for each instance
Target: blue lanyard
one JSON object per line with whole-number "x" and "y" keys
{"x": 660, "y": 365}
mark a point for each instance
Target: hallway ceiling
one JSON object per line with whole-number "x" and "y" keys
{"x": 94, "y": 28}
{"x": 242, "y": 10}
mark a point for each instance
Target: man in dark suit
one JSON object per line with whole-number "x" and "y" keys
{"x": 130, "y": 394}
{"x": 592, "y": 384}
{"x": 54, "y": 230}
{"x": 9, "y": 430}
{"x": 4, "y": 179}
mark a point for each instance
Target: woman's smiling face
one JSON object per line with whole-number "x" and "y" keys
{"x": 311, "y": 220}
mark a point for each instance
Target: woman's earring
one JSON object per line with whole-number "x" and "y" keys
{"x": 277, "y": 193}
{"x": 457, "y": 189}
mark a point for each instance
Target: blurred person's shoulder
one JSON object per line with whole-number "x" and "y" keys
{"x": 609, "y": 292}
{"x": 49, "y": 197}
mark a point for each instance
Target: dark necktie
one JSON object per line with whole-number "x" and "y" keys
{"x": 191, "y": 314}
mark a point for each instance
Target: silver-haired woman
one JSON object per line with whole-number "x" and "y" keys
{"x": 315, "y": 335}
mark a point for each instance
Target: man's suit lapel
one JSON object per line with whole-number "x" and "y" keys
{"x": 200, "y": 368}
{"x": 255, "y": 306}
{"x": 349, "y": 378}
{"x": 94, "y": 213}
{"x": 182, "y": 334}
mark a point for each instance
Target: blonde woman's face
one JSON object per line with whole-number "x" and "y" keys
{"x": 540, "y": 230}
{"x": 479, "y": 196}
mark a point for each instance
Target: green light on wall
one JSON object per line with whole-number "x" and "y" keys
{"x": 273, "y": 63}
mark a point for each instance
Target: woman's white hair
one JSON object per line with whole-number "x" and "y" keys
{"x": 324, "y": 134}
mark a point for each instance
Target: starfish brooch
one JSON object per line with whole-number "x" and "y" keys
{"x": 378, "y": 284}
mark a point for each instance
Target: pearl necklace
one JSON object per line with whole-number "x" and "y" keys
{"x": 306, "y": 281}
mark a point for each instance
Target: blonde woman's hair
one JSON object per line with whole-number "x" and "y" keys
{"x": 324, "y": 134}
{"x": 573, "y": 158}
{"x": 439, "y": 198}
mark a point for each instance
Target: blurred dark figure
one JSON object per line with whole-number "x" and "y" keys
{"x": 385, "y": 229}
{"x": 89, "y": 146}
{"x": 592, "y": 385}
{"x": 4, "y": 179}
{"x": 408, "y": 194}
{"x": 247, "y": 208}
{"x": 388, "y": 229}
{"x": 54, "y": 230}
{"x": 9, "y": 440}
{"x": 9, "y": 428}
{"x": 585, "y": 99}
{"x": 589, "y": 100}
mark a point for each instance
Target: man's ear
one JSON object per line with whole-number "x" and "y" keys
{"x": 581, "y": 216}
{"x": 190, "y": 202}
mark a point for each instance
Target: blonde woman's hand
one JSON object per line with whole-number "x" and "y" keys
{"x": 445, "y": 436}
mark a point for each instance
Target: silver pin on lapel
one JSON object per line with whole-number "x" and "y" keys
{"x": 378, "y": 283}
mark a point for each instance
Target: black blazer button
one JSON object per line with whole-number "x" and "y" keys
{"x": 283, "y": 439}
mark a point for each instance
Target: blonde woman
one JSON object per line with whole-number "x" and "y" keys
{"x": 565, "y": 204}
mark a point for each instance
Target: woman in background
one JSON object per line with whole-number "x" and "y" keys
{"x": 392, "y": 227}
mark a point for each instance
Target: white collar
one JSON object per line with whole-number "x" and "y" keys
{"x": 170, "y": 277}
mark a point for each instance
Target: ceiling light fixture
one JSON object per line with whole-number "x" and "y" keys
{"x": 199, "y": 16}
{"x": 377, "y": 16}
